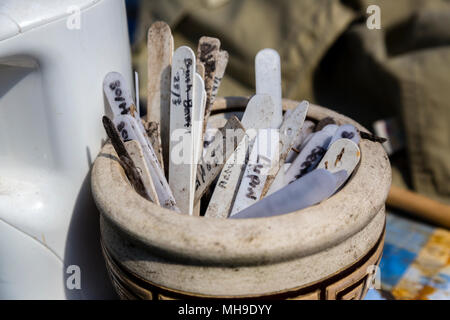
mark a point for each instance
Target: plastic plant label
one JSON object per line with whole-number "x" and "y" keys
{"x": 182, "y": 103}
{"x": 119, "y": 97}
{"x": 264, "y": 155}
{"x": 307, "y": 129}
{"x": 343, "y": 154}
{"x": 279, "y": 181}
{"x": 311, "y": 154}
{"x": 268, "y": 81}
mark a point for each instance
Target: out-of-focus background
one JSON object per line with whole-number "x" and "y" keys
{"x": 387, "y": 67}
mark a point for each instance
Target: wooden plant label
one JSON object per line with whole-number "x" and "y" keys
{"x": 160, "y": 51}
{"x": 268, "y": 81}
{"x": 257, "y": 115}
{"x": 264, "y": 155}
{"x": 343, "y": 154}
{"x": 182, "y": 103}
{"x": 126, "y": 161}
{"x": 129, "y": 130}
{"x": 134, "y": 149}
{"x": 223, "y": 144}
{"x": 311, "y": 154}
{"x": 207, "y": 54}
{"x": 290, "y": 130}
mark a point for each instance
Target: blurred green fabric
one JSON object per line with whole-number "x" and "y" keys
{"x": 330, "y": 57}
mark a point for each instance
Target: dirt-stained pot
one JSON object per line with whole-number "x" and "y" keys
{"x": 328, "y": 251}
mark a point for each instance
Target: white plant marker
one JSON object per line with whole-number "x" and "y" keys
{"x": 128, "y": 129}
{"x": 154, "y": 136}
{"x": 290, "y": 131}
{"x": 287, "y": 113}
{"x": 137, "y": 155}
{"x": 215, "y": 156}
{"x": 309, "y": 190}
{"x": 307, "y": 129}
{"x": 198, "y": 114}
{"x": 137, "y": 97}
{"x": 346, "y": 131}
{"x": 199, "y": 118}
{"x": 343, "y": 154}
{"x": 263, "y": 156}
{"x": 121, "y": 101}
{"x": 200, "y": 70}
{"x": 119, "y": 97}
{"x": 311, "y": 154}
{"x": 159, "y": 61}
{"x": 182, "y": 103}
{"x": 279, "y": 181}
{"x": 268, "y": 81}
{"x": 258, "y": 115}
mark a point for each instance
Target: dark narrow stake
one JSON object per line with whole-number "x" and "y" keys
{"x": 323, "y": 123}
{"x": 371, "y": 137}
{"x": 125, "y": 159}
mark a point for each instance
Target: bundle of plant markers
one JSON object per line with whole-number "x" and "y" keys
{"x": 263, "y": 164}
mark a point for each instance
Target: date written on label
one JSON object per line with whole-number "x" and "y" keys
{"x": 225, "y": 309}
{"x": 176, "y": 94}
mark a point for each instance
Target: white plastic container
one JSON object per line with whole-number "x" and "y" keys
{"x": 53, "y": 58}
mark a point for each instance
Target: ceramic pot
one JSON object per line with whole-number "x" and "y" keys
{"x": 328, "y": 251}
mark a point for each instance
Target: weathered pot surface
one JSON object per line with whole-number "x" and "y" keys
{"x": 179, "y": 255}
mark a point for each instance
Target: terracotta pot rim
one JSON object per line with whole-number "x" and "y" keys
{"x": 262, "y": 241}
